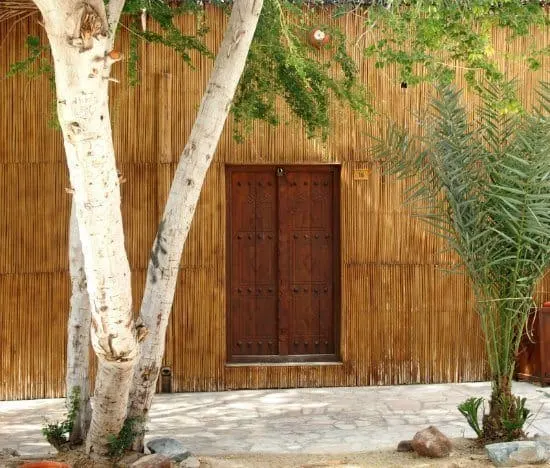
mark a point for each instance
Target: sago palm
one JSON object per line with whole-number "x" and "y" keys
{"x": 484, "y": 185}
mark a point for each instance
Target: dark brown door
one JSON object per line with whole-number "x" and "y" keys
{"x": 253, "y": 271}
{"x": 282, "y": 263}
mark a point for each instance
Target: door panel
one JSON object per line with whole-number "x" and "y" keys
{"x": 282, "y": 236}
{"x": 253, "y": 271}
{"x": 306, "y": 241}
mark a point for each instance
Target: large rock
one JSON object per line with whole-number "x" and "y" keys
{"x": 171, "y": 448}
{"x": 191, "y": 462}
{"x": 152, "y": 461}
{"x": 544, "y": 441}
{"x": 431, "y": 442}
{"x": 130, "y": 457}
{"x": 517, "y": 453}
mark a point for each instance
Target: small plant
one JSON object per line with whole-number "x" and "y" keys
{"x": 123, "y": 441}
{"x": 57, "y": 434}
{"x": 518, "y": 415}
{"x": 514, "y": 416}
{"x": 470, "y": 410}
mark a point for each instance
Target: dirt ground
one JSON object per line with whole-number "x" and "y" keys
{"x": 466, "y": 454}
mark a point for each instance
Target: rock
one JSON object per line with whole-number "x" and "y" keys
{"x": 130, "y": 458}
{"x": 431, "y": 442}
{"x": 190, "y": 462}
{"x": 405, "y": 446}
{"x": 8, "y": 452}
{"x": 172, "y": 448}
{"x": 544, "y": 440}
{"x": 517, "y": 453}
{"x": 155, "y": 460}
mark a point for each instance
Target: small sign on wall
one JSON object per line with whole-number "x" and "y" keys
{"x": 361, "y": 174}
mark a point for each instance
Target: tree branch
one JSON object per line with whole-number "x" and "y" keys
{"x": 52, "y": 8}
{"x": 45, "y": 5}
{"x": 114, "y": 10}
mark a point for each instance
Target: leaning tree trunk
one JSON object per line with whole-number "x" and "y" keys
{"x": 182, "y": 201}
{"x": 77, "y": 32}
{"x": 78, "y": 331}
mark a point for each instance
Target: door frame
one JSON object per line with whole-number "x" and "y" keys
{"x": 335, "y": 169}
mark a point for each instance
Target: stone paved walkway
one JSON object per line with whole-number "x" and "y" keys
{"x": 323, "y": 420}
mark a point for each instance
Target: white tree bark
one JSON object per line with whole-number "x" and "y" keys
{"x": 183, "y": 198}
{"x": 78, "y": 342}
{"x": 78, "y": 330}
{"x": 78, "y": 33}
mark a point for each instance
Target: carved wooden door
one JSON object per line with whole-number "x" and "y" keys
{"x": 253, "y": 266}
{"x": 283, "y": 267}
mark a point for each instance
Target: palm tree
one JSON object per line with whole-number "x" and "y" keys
{"x": 485, "y": 187}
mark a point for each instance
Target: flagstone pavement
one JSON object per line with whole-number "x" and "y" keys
{"x": 307, "y": 420}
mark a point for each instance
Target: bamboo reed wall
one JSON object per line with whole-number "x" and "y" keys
{"x": 403, "y": 320}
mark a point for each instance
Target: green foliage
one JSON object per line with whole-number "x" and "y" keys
{"x": 430, "y": 39}
{"x": 118, "y": 444}
{"x": 161, "y": 10}
{"x": 513, "y": 410}
{"x": 38, "y": 61}
{"x": 133, "y": 58}
{"x": 170, "y": 36}
{"x": 486, "y": 190}
{"x": 470, "y": 410}
{"x": 516, "y": 415}
{"x": 282, "y": 63}
{"x": 35, "y": 56}
{"x": 37, "y": 64}
{"x": 57, "y": 434}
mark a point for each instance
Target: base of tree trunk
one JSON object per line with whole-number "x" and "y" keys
{"x": 505, "y": 419}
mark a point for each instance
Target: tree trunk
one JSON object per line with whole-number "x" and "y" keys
{"x": 78, "y": 343}
{"x": 77, "y": 32}
{"x": 183, "y": 198}
{"x": 507, "y": 414}
{"x": 503, "y": 326}
{"x": 503, "y": 408}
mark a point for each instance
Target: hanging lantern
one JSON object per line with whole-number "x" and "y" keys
{"x": 318, "y": 38}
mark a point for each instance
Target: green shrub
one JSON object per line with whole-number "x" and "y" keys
{"x": 514, "y": 415}
{"x": 123, "y": 441}
{"x": 518, "y": 415}
{"x": 57, "y": 433}
{"x": 470, "y": 410}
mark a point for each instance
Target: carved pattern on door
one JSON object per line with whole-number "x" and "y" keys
{"x": 282, "y": 262}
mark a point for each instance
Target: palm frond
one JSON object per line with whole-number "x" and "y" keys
{"x": 486, "y": 190}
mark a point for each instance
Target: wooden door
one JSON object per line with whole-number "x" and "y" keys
{"x": 306, "y": 261}
{"x": 282, "y": 263}
{"x": 253, "y": 266}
